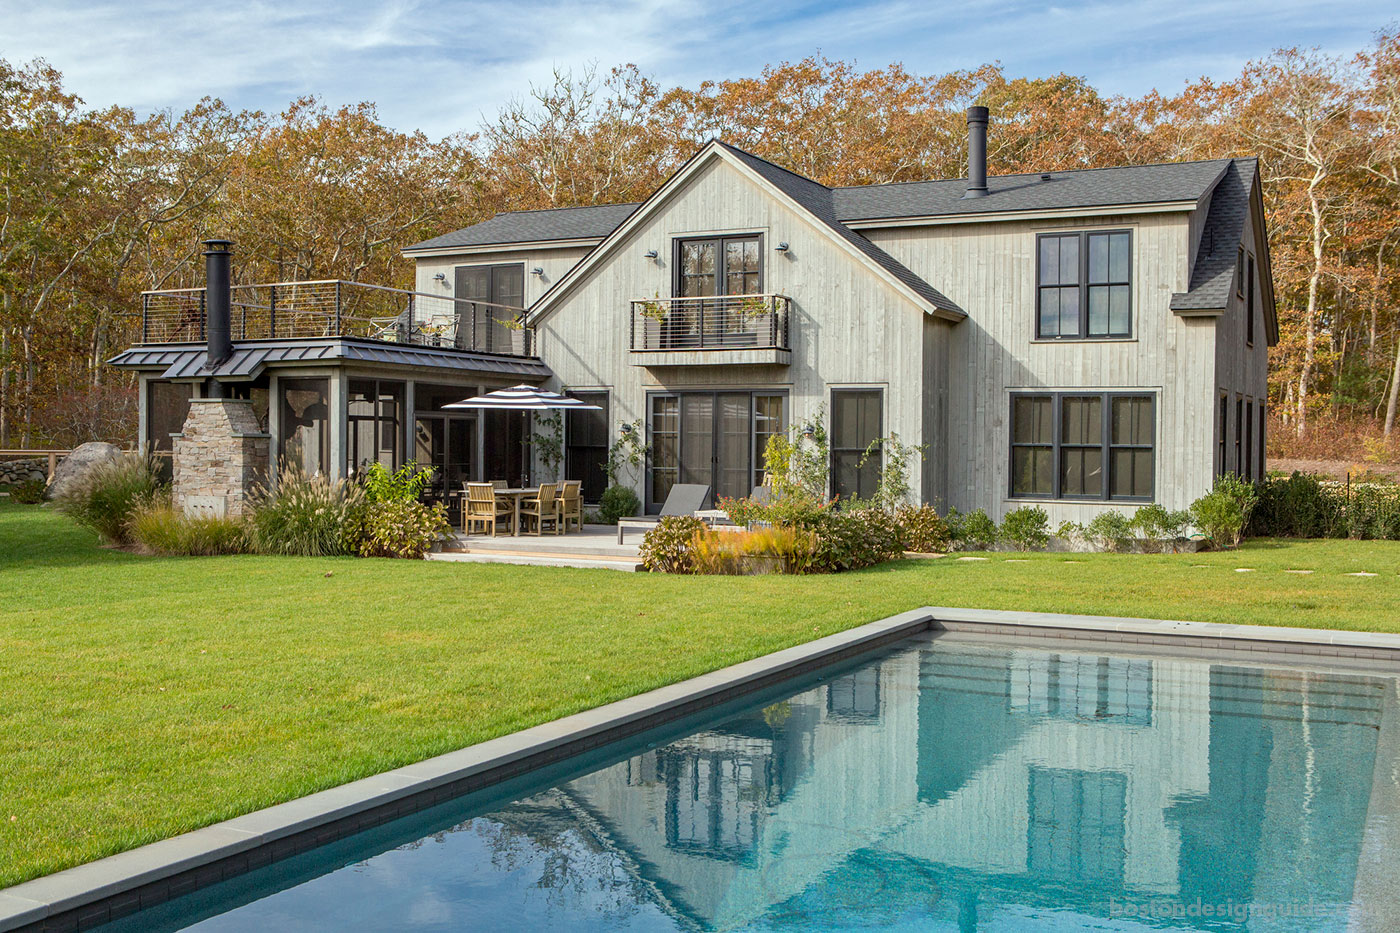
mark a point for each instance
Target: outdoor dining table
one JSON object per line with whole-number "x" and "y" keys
{"x": 515, "y": 494}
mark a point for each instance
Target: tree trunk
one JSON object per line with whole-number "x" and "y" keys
{"x": 1394, "y": 400}
{"x": 1310, "y": 346}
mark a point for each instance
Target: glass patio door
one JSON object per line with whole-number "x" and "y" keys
{"x": 712, "y": 438}
{"x": 448, "y": 445}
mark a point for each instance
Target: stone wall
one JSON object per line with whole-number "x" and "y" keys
{"x": 219, "y": 457}
{"x": 14, "y": 472}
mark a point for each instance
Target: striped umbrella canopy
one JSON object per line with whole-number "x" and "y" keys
{"x": 522, "y": 398}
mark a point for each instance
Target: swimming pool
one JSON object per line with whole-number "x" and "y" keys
{"x": 948, "y": 783}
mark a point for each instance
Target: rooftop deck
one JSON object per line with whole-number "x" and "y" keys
{"x": 338, "y": 308}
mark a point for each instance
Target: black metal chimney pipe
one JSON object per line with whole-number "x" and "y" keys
{"x": 976, "y": 152}
{"x": 218, "y": 255}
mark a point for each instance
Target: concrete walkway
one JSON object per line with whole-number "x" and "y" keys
{"x": 596, "y": 546}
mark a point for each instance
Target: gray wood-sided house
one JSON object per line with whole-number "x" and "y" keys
{"x": 1077, "y": 340}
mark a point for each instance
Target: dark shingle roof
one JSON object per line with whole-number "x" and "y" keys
{"x": 1084, "y": 188}
{"x": 1213, "y": 276}
{"x": 567, "y": 223}
{"x": 816, "y": 199}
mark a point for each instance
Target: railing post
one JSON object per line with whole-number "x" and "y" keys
{"x": 203, "y": 318}
{"x": 701, "y": 343}
{"x": 632, "y": 328}
{"x": 272, "y": 311}
{"x": 145, "y": 318}
{"x": 336, "y": 332}
{"x": 773, "y": 323}
{"x": 474, "y": 316}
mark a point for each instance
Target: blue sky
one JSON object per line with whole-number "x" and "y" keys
{"x": 439, "y": 65}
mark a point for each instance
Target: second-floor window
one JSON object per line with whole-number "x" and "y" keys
{"x": 1084, "y": 285}
{"x": 718, "y": 266}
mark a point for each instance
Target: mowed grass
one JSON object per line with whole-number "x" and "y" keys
{"x": 143, "y": 697}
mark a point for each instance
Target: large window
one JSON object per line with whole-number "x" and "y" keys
{"x": 718, "y": 266}
{"x": 487, "y": 327}
{"x": 1249, "y": 439}
{"x": 375, "y": 424}
{"x": 586, "y": 444}
{"x": 167, "y": 407}
{"x": 1239, "y": 436}
{"x": 304, "y": 435}
{"x": 715, "y": 439}
{"x": 855, "y": 425}
{"x": 1084, "y": 285}
{"x": 1082, "y": 446}
{"x": 1259, "y": 441}
{"x": 1223, "y": 430}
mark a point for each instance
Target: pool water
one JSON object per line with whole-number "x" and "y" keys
{"x": 947, "y": 784}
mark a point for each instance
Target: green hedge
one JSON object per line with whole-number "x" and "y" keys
{"x": 1304, "y": 506}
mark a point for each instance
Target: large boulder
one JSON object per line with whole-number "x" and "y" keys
{"x": 79, "y": 463}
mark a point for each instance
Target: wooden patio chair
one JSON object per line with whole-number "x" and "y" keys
{"x": 571, "y": 504}
{"x": 480, "y": 508}
{"x": 500, "y": 484}
{"x": 683, "y": 499}
{"x": 542, "y": 507}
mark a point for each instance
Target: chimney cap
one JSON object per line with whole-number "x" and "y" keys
{"x": 215, "y": 245}
{"x": 977, "y": 114}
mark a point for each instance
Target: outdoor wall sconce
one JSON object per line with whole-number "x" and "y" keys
{"x": 537, "y": 271}
{"x": 440, "y": 277}
{"x": 782, "y": 247}
{"x": 650, "y": 254}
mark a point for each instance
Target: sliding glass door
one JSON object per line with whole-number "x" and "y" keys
{"x": 714, "y": 439}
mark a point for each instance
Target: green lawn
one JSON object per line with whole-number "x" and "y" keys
{"x": 143, "y": 697}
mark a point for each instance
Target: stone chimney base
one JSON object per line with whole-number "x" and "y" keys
{"x": 219, "y": 458}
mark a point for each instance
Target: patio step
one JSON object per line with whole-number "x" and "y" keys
{"x": 537, "y": 559}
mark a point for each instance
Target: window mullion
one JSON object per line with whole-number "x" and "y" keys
{"x": 1055, "y": 441}
{"x": 1106, "y": 450}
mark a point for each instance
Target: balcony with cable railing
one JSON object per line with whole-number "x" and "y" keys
{"x": 711, "y": 330}
{"x": 341, "y": 309}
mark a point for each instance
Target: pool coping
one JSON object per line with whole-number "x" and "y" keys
{"x": 108, "y": 888}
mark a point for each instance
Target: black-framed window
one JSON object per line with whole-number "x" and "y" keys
{"x": 1224, "y": 434}
{"x": 1249, "y": 301}
{"x": 1259, "y": 441}
{"x": 586, "y": 444}
{"x": 1239, "y": 273}
{"x": 856, "y": 417}
{"x": 1239, "y": 436}
{"x": 1076, "y": 445}
{"x": 374, "y": 426}
{"x": 1084, "y": 285}
{"x": 710, "y": 266}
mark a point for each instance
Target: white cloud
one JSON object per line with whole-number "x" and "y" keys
{"x": 439, "y": 65}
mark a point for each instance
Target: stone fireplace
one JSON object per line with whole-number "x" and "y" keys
{"x": 219, "y": 457}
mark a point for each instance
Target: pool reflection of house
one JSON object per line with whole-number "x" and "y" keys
{"x": 959, "y": 782}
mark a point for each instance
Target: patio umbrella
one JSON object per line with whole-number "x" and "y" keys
{"x": 523, "y": 398}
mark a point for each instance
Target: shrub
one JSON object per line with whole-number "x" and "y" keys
{"x": 1373, "y": 511}
{"x": 1070, "y": 532}
{"x": 851, "y": 540}
{"x": 106, "y": 497}
{"x": 159, "y": 529}
{"x": 1161, "y": 525}
{"x": 732, "y": 552}
{"x": 921, "y": 530}
{"x": 1297, "y": 506}
{"x": 402, "y": 485}
{"x": 670, "y": 546}
{"x": 1026, "y": 528}
{"x": 309, "y": 516}
{"x": 974, "y": 531}
{"x": 617, "y": 502}
{"x": 744, "y": 511}
{"x": 1110, "y": 531}
{"x": 1223, "y": 513}
{"x": 403, "y": 528}
{"x": 29, "y": 492}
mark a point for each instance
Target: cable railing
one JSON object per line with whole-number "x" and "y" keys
{"x": 337, "y": 308}
{"x": 721, "y": 322}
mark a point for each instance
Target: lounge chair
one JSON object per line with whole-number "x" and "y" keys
{"x": 683, "y": 499}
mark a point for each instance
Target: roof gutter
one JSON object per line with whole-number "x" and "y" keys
{"x": 984, "y": 217}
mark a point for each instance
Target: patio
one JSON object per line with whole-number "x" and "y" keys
{"x": 596, "y": 546}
